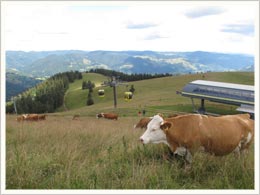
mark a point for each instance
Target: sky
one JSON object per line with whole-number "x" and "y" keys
{"x": 226, "y": 27}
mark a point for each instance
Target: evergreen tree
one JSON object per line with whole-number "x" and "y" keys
{"x": 90, "y": 86}
{"x": 90, "y": 100}
{"x": 132, "y": 89}
{"x": 84, "y": 85}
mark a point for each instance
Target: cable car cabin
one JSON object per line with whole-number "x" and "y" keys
{"x": 101, "y": 92}
{"x": 128, "y": 96}
{"x": 227, "y": 93}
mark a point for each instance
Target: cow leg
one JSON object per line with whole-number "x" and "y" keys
{"x": 184, "y": 152}
{"x": 188, "y": 157}
{"x": 188, "y": 160}
{"x": 170, "y": 152}
{"x": 237, "y": 150}
{"x": 181, "y": 151}
{"x": 169, "y": 155}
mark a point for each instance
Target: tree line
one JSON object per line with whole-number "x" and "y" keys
{"x": 128, "y": 77}
{"x": 46, "y": 97}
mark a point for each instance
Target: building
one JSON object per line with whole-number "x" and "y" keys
{"x": 227, "y": 93}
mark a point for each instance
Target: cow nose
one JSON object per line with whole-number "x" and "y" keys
{"x": 141, "y": 140}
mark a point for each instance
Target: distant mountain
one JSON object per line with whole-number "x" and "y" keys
{"x": 48, "y": 63}
{"x": 16, "y": 83}
{"x": 248, "y": 68}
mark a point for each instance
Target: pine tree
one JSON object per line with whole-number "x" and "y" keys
{"x": 132, "y": 89}
{"x": 90, "y": 100}
{"x": 84, "y": 85}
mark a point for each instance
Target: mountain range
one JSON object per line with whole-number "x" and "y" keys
{"x": 48, "y": 63}
{"x": 24, "y": 69}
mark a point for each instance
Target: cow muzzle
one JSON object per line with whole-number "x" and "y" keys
{"x": 144, "y": 141}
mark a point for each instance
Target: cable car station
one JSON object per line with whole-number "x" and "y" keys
{"x": 227, "y": 93}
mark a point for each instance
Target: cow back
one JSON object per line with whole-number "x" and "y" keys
{"x": 218, "y": 135}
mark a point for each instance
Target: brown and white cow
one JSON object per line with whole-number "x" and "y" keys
{"x": 110, "y": 116}
{"x": 34, "y": 117}
{"x": 20, "y": 118}
{"x": 31, "y": 117}
{"x": 189, "y": 133}
{"x": 143, "y": 122}
{"x": 42, "y": 117}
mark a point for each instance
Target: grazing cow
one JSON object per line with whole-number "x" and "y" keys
{"x": 34, "y": 117}
{"x": 20, "y": 118}
{"x": 75, "y": 117}
{"x": 143, "y": 123}
{"x": 31, "y": 117}
{"x": 42, "y": 117}
{"x": 111, "y": 116}
{"x": 185, "y": 134}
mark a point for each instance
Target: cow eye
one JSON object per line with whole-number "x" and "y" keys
{"x": 153, "y": 129}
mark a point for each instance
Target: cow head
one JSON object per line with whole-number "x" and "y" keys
{"x": 100, "y": 115}
{"x": 155, "y": 132}
{"x": 143, "y": 123}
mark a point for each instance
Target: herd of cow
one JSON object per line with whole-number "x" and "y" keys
{"x": 187, "y": 133}
{"x": 31, "y": 117}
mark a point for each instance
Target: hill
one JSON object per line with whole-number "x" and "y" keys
{"x": 17, "y": 83}
{"x": 154, "y": 95}
{"x": 90, "y": 153}
{"x": 48, "y": 63}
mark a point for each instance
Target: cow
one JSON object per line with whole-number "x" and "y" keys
{"x": 20, "y": 118}
{"x": 143, "y": 123}
{"x": 186, "y": 134}
{"x": 110, "y": 116}
{"x": 31, "y": 117}
{"x": 75, "y": 117}
{"x": 42, "y": 117}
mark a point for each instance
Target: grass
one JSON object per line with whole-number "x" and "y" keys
{"x": 151, "y": 94}
{"x": 91, "y": 153}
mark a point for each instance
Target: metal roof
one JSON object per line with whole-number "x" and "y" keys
{"x": 224, "y": 85}
{"x": 246, "y": 108}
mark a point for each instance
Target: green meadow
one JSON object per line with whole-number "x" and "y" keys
{"x": 154, "y": 95}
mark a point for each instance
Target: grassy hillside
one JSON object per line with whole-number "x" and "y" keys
{"x": 154, "y": 95}
{"x": 76, "y": 97}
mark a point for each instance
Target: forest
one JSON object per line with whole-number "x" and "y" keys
{"x": 47, "y": 96}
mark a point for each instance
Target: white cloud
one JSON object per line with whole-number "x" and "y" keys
{"x": 157, "y": 26}
{"x": 204, "y": 11}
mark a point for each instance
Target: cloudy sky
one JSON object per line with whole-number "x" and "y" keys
{"x": 155, "y": 25}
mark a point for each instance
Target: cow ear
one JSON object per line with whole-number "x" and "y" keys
{"x": 166, "y": 125}
{"x": 160, "y": 114}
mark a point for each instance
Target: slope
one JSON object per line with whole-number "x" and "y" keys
{"x": 154, "y": 95}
